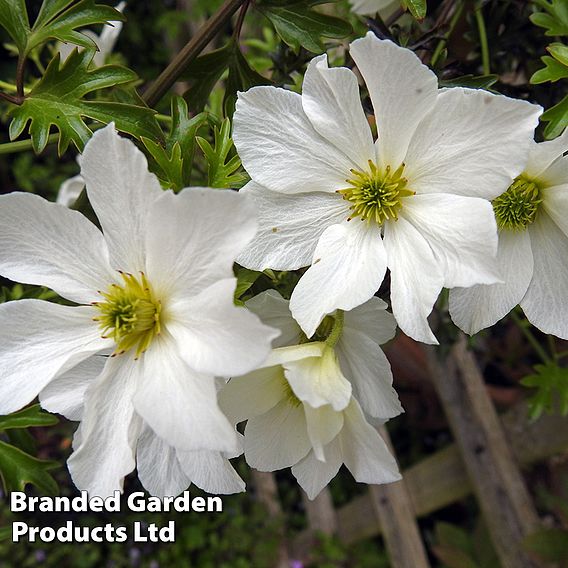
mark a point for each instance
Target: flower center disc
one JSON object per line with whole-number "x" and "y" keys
{"x": 518, "y": 206}
{"x": 376, "y": 195}
{"x": 130, "y": 314}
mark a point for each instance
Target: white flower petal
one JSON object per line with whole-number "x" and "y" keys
{"x": 278, "y": 438}
{"x": 402, "y": 91}
{"x": 319, "y": 381}
{"x": 284, "y": 355}
{"x": 366, "y": 366}
{"x": 331, "y": 101}
{"x": 158, "y": 467}
{"x": 462, "y": 233}
{"x": 349, "y": 264}
{"x": 39, "y": 340}
{"x": 324, "y": 424}
{"x": 313, "y": 475}
{"x": 70, "y": 190}
{"x": 109, "y": 429}
{"x": 66, "y": 393}
{"x": 542, "y": 156}
{"x": 472, "y": 143}
{"x": 416, "y": 279}
{"x": 274, "y": 311}
{"x": 179, "y": 404}
{"x": 121, "y": 191}
{"x": 280, "y": 148}
{"x": 478, "y": 307}
{"x": 372, "y": 319}
{"x": 48, "y": 244}
{"x": 194, "y": 237}
{"x": 108, "y": 38}
{"x": 217, "y": 337}
{"x": 252, "y": 394}
{"x": 364, "y": 451}
{"x": 289, "y": 227}
{"x": 370, "y": 7}
{"x": 211, "y": 472}
{"x": 555, "y": 203}
{"x": 545, "y": 302}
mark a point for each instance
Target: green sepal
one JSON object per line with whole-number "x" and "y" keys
{"x": 57, "y": 99}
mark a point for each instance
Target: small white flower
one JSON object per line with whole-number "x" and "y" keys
{"x": 532, "y": 216}
{"x": 301, "y": 407}
{"x": 421, "y": 188}
{"x": 370, "y": 7}
{"x": 156, "y": 288}
{"x": 105, "y": 42}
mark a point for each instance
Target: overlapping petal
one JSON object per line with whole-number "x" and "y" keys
{"x": 543, "y": 154}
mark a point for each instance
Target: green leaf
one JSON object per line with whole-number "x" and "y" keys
{"x": 17, "y": 469}
{"x": 471, "y": 81}
{"x": 550, "y": 544}
{"x": 220, "y": 172}
{"x": 300, "y": 26}
{"x": 58, "y": 99}
{"x": 554, "y": 18}
{"x": 559, "y": 51}
{"x": 60, "y": 19}
{"x": 551, "y": 382}
{"x": 14, "y": 19}
{"x": 557, "y": 117}
{"x": 5, "y": 533}
{"x": 553, "y": 71}
{"x": 26, "y": 418}
{"x": 417, "y": 8}
{"x": 245, "y": 279}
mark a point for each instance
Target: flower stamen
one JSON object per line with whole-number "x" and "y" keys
{"x": 518, "y": 206}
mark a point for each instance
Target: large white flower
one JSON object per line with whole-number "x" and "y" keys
{"x": 414, "y": 201}
{"x": 532, "y": 216}
{"x": 302, "y": 407}
{"x": 105, "y": 41}
{"x": 156, "y": 289}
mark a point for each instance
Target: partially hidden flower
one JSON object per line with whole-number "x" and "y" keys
{"x": 306, "y": 407}
{"x": 371, "y": 7}
{"x": 415, "y": 200}
{"x": 105, "y": 41}
{"x": 532, "y": 216}
{"x": 155, "y": 324}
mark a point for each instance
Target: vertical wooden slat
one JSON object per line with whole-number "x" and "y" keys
{"x": 320, "y": 512}
{"x": 393, "y": 507}
{"x": 497, "y": 482}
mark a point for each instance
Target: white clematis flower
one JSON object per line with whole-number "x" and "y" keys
{"x": 532, "y": 216}
{"x": 414, "y": 201}
{"x": 370, "y": 7}
{"x": 156, "y": 289}
{"x": 105, "y": 41}
{"x": 301, "y": 407}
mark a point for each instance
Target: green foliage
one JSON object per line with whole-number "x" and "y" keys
{"x": 551, "y": 382}
{"x": 416, "y": 7}
{"x": 220, "y": 172}
{"x": 553, "y": 71}
{"x": 554, "y": 18}
{"x": 57, "y": 19}
{"x": 471, "y": 81}
{"x": 550, "y": 545}
{"x": 58, "y": 99}
{"x": 299, "y": 25}
{"x": 245, "y": 279}
{"x": 557, "y": 118}
{"x": 18, "y": 468}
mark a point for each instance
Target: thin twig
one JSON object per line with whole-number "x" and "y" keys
{"x": 483, "y": 40}
{"x": 240, "y": 20}
{"x": 14, "y": 99}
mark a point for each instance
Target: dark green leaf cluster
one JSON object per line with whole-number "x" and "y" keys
{"x": 17, "y": 466}
{"x": 551, "y": 382}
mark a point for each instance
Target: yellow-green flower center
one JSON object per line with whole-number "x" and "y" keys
{"x": 518, "y": 206}
{"x": 376, "y": 195}
{"x": 130, "y": 314}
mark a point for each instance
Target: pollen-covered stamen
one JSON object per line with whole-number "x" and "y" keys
{"x": 130, "y": 314}
{"x": 376, "y": 195}
{"x": 518, "y": 206}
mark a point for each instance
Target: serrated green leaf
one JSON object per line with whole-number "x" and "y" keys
{"x": 300, "y": 26}
{"x": 553, "y": 71}
{"x": 417, "y": 8}
{"x": 27, "y": 418}
{"x": 14, "y": 19}
{"x": 554, "y": 19}
{"x": 220, "y": 172}
{"x": 60, "y": 19}
{"x": 170, "y": 164}
{"x": 551, "y": 382}
{"x": 551, "y": 545}
{"x": 17, "y": 469}
{"x": 471, "y": 81}
{"x": 58, "y": 99}
{"x": 557, "y": 118}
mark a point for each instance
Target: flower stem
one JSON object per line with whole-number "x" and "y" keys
{"x": 23, "y": 145}
{"x": 483, "y": 40}
{"x": 522, "y": 325}
{"x": 337, "y": 329}
{"x": 442, "y": 43}
{"x": 190, "y": 52}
